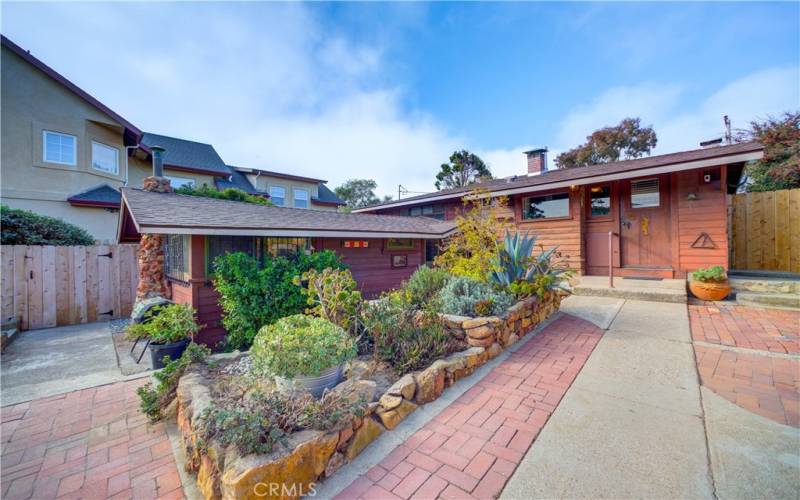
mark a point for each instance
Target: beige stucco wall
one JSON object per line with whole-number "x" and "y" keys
{"x": 139, "y": 169}
{"x": 31, "y": 103}
{"x": 264, "y": 182}
{"x": 100, "y": 222}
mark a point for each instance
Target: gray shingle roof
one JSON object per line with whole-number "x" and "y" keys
{"x": 102, "y": 194}
{"x": 236, "y": 180}
{"x": 327, "y": 196}
{"x": 173, "y": 213}
{"x": 187, "y": 154}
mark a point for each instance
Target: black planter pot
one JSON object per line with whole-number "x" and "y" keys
{"x": 173, "y": 350}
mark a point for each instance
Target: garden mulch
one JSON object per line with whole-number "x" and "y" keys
{"x": 92, "y": 443}
{"x": 471, "y": 448}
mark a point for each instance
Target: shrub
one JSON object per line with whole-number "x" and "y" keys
{"x": 333, "y": 296}
{"x": 462, "y": 294}
{"x": 423, "y": 286}
{"x": 253, "y": 295}
{"x": 22, "y": 227}
{"x": 523, "y": 273}
{"x": 257, "y": 423}
{"x": 715, "y": 273}
{"x": 300, "y": 345}
{"x": 405, "y": 337}
{"x": 513, "y": 261}
{"x": 231, "y": 194}
{"x": 155, "y": 398}
{"x": 165, "y": 324}
{"x": 473, "y": 250}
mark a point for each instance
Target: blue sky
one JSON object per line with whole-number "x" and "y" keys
{"x": 388, "y": 91}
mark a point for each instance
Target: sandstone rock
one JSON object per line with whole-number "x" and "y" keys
{"x": 526, "y": 323}
{"x": 209, "y": 472}
{"x": 513, "y": 338}
{"x": 366, "y": 434}
{"x": 405, "y": 387}
{"x": 480, "y": 342}
{"x": 393, "y": 417}
{"x": 494, "y": 350}
{"x": 389, "y": 402}
{"x": 430, "y": 382}
{"x": 357, "y": 369}
{"x": 354, "y": 389}
{"x": 295, "y": 467}
{"x": 344, "y": 437}
{"x": 474, "y": 322}
{"x": 334, "y": 464}
{"x": 453, "y": 321}
{"x": 481, "y": 332}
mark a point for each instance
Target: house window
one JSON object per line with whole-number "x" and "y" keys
{"x": 59, "y": 148}
{"x": 432, "y": 211}
{"x": 300, "y": 198}
{"x": 105, "y": 158}
{"x": 600, "y": 197}
{"x": 399, "y": 244}
{"x": 277, "y": 195}
{"x": 254, "y": 246}
{"x": 546, "y": 207}
{"x": 284, "y": 247}
{"x": 645, "y": 193}
{"x": 176, "y": 252}
{"x": 179, "y": 182}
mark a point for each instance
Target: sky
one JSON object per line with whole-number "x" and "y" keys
{"x": 388, "y": 91}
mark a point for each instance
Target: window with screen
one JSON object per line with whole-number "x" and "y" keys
{"x": 176, "y": 256}
{"x": 277, "y": 195}
{"x": 645, "y": 193}
{"x": 300, "y": 198}
{"x": 600, "y": 201}
{"x": 546, "y": 207}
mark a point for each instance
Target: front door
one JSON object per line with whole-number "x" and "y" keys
{"x": 645, "y": 222}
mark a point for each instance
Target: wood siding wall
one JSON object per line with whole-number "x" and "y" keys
{"x": 765, "y": 231}
{"x": 47, "y": 286}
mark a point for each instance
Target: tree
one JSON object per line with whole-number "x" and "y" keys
{"x": 359, "y": 193}
{"x": 780, "y": 166}
{"x": 464, "y": 169}
{"x": 622, "y": 142}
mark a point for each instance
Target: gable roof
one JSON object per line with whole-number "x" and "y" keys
{"x": 279, "y": 175}
{"x": 170, "y": 213}
{"x": 553, "y": 179}
{"x": 191, "y": 156}
{"x": 101, "y": 195}
{"x": 327, "y": 197}
{"x": 131, "y": 133}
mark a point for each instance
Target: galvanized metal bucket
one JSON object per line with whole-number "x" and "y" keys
{"x": 315, "y": 385}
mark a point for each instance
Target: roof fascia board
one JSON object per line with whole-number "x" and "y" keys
{"x": 286, "y": 232}
{"x": 412, "y": 202}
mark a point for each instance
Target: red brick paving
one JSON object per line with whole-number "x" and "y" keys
{"x": 763, "y": 384}
{"x": 91, "y": 444}
{"x": 473, "y": 446}
{"x": 771, "y": 330}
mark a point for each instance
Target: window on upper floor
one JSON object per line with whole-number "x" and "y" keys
{"x": 277, "y": 196}
{"x": 432, "y": 211}
{"x": 178, "y": 182}
{"x": 300, "y": 198}
{"x": 59, "y": 148}
{"x": 105, "y": 158}
{"x": 546, "y": 207}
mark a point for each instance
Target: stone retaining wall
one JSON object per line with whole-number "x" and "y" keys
{"x": 313, "y": 455}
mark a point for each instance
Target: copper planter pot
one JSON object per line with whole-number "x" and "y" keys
{"x": 710, "y": 290}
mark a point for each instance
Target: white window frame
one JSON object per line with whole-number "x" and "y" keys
{"x": 307, "y": 198}
{"x": 116, "y": 158}
{"x": 177, "y": 182}
{"x": 60, "y": 134}
{"x": 271, "y": 197}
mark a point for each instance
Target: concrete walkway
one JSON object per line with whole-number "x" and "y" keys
{"x": 631, "y": 426}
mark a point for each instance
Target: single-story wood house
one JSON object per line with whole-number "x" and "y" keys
{"x": 667, "y": 214}
{"x": 380, "y": 250}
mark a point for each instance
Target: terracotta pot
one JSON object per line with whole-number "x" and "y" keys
{"x": 710, "y": 290}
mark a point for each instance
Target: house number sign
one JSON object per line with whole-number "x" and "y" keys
{"x": 356, "y": 244}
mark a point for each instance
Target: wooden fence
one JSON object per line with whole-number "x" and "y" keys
{"x": 46, "y": 286}
{"x": 765, "y": 231}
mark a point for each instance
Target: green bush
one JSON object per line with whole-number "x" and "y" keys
{"x": 462, "y": 294}
{"x": 155, "y": 398}
{"x": 715, "y": 273}
{"x": 165, "y": 324}
{"x": 231, "y": 194}
{"x": 253, "y": 295}
{"x": 423, "y": 286}
{"x": 22, "y": 227}
{"x": 405, "y": 337}
{"x": 300, "y": 345}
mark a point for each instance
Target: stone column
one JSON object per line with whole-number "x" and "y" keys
{"x": 152, "y": 280}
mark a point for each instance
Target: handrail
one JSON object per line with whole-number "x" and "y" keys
{"x": 611, "y": 235}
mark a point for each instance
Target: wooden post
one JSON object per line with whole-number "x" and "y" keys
{"x": 611, "y": 259}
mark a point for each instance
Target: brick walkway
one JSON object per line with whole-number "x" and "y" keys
{"x": 89, "y": 444}
{"x": 751, "y": 378}
{"x": 473, "y": 446}
{"x": 748, "y": 327}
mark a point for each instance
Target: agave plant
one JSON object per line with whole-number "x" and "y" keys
{"x": 513, "y": 262}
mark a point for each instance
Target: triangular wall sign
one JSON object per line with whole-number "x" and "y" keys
{"x": 704, "y": 241}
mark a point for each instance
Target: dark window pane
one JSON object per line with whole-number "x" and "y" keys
{"x": 644, "y": 193}
{"x": 176, "y": 256}
{"x": 601, "y": 201}
{"x": 545, "y": 207}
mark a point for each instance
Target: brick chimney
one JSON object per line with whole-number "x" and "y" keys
{"x": 537, "y": 161}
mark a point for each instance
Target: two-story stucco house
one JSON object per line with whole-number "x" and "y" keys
{"x": 65, "y": 154}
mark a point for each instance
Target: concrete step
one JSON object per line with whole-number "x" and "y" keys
{"x": 775, "y": 300}
{"x": 632, "y": 293}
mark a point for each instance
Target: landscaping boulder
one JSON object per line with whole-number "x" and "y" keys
{"x": 405, "y": 387}
{"x": 354, "y": 389}
{"x": 366, "y": 433}
{"x": 391, "y": 418}
{"x": 430, "y": 382}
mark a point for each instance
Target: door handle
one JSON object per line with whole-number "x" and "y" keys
{"x": 626, "y": 223}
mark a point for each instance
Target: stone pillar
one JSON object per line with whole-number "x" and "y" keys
{"x": 152, "y": 280}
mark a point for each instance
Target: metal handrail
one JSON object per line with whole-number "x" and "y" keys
{"x": 611, "y": 235}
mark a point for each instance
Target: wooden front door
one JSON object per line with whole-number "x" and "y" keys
{"x": 645, "y": 222}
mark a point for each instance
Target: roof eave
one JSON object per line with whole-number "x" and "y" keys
{"x": 296, "y": 233}
{"x": 92, "y": 203}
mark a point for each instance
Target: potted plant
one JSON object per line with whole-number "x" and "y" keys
{"x": 710, "y": 283}
{"x": 168, "y": 328}
{"x": 302, "y": 352}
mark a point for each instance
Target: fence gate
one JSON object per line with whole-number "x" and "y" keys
{"x": 765, "y": 231}
{"x": 46, "y": 286}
